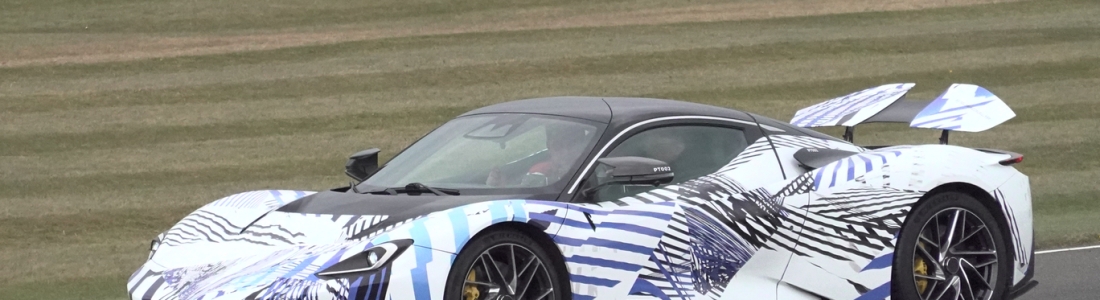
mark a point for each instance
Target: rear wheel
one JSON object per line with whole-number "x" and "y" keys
{"x": 951, "y": 248}
{"x": 504, "y": 265}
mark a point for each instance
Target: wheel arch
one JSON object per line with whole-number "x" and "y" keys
{"x": 978, "y": 193}
{"x": 541, "y": 238}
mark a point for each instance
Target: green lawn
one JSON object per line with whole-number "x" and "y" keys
{"x": 121, "y": 116}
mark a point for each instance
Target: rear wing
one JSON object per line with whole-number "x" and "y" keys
{"x": 962, "y": 107}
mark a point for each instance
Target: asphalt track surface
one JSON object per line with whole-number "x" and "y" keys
{"x": 1068, "y": 275}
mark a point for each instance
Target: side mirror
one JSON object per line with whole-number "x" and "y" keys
{"x": 362, "y": 164}
{"x": 632, "y": 170}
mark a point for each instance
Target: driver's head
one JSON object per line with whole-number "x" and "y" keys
{"x": 564, "y": 141}
{"x": 666, "y": 148}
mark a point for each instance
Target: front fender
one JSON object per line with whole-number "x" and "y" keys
{"x": 438, "y": 237}
{"x": 449, "y": 230}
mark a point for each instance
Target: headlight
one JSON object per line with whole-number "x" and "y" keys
{"x": 368, "y": 260}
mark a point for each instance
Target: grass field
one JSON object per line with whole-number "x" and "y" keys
{"x": 118, "y": 117}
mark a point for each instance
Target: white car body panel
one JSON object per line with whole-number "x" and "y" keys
{"x": 761, "y": 227}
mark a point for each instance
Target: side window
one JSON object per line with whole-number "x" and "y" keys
{"x": 691, "y": 150}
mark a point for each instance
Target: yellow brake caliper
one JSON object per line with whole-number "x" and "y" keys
{"x": 470, "y": 292}
{"x": 920, "y": 267}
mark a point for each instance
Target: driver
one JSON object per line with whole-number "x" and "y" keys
{"x": 563, "y": 144}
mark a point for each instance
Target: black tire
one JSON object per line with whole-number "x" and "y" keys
{"x": 493, "y": 241}
{"x": 905, "y": 281}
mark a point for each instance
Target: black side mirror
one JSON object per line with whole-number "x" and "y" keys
{"x": 632, "y": 170}
{"x": 362, "y": 164}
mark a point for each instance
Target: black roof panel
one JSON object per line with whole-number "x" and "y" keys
{"x": 588, "y": 108}
{"x": 619, "y": 110}
{"x": 630, "y": 110}
{"x": 623, "y": 111}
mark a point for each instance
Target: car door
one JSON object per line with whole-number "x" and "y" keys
{"x": 675, "y": 241}
{"x": 828, "y": 233}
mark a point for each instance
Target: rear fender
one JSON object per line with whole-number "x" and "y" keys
{"x": 858, "y": 205}
{"x": 1014, "y": 198}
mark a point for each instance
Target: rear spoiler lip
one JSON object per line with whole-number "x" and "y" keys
{"x": 1013, "y": 157}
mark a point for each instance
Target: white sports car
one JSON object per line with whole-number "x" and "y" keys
{"x": 629, "y": 198}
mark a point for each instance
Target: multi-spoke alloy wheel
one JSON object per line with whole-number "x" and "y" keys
{"x": 951, "y": 248}
{"x": 960, "y": 255}
{"x": 508, "y": 272}
{"x": 505, "y": 265}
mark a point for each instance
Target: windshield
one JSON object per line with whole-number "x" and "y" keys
{"x": 493, "y": 152}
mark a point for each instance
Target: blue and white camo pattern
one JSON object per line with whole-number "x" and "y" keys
{"x": 860, "y": 105}
{"x": 741, "y": 233}
{"x": 964, "y": 107}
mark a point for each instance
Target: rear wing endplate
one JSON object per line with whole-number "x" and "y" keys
{"x": 962, "y": 107}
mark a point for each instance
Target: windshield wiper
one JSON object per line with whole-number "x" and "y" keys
{"x": 416, "y": 188}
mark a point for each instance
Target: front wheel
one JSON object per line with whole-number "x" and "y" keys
{"x": 951, "y": 248}
{"x": 504, "y": 265}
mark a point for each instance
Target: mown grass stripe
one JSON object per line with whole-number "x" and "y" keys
{"x": 731, "y": 97}
{"x": 109, "y": 215}
{"x": 732, "y": 57}
{"x": 92, "y": 226}
{"x": 1066, "y": 219}
{"x": 1001, "y": 75}
{"x": 1074, "y": 157}
{"x": 69, "y": 201}
{"x": 1071, "y": 156}
{"x": 989, "y": 13}
{"x": 904, "y": 43}
{"x": 218, "y": 16}
{"x": 141, "y": 136}
{"x": 104, "y": 286}
{"x": 1061, "y": 112}
{"x": 324, "y": 165}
